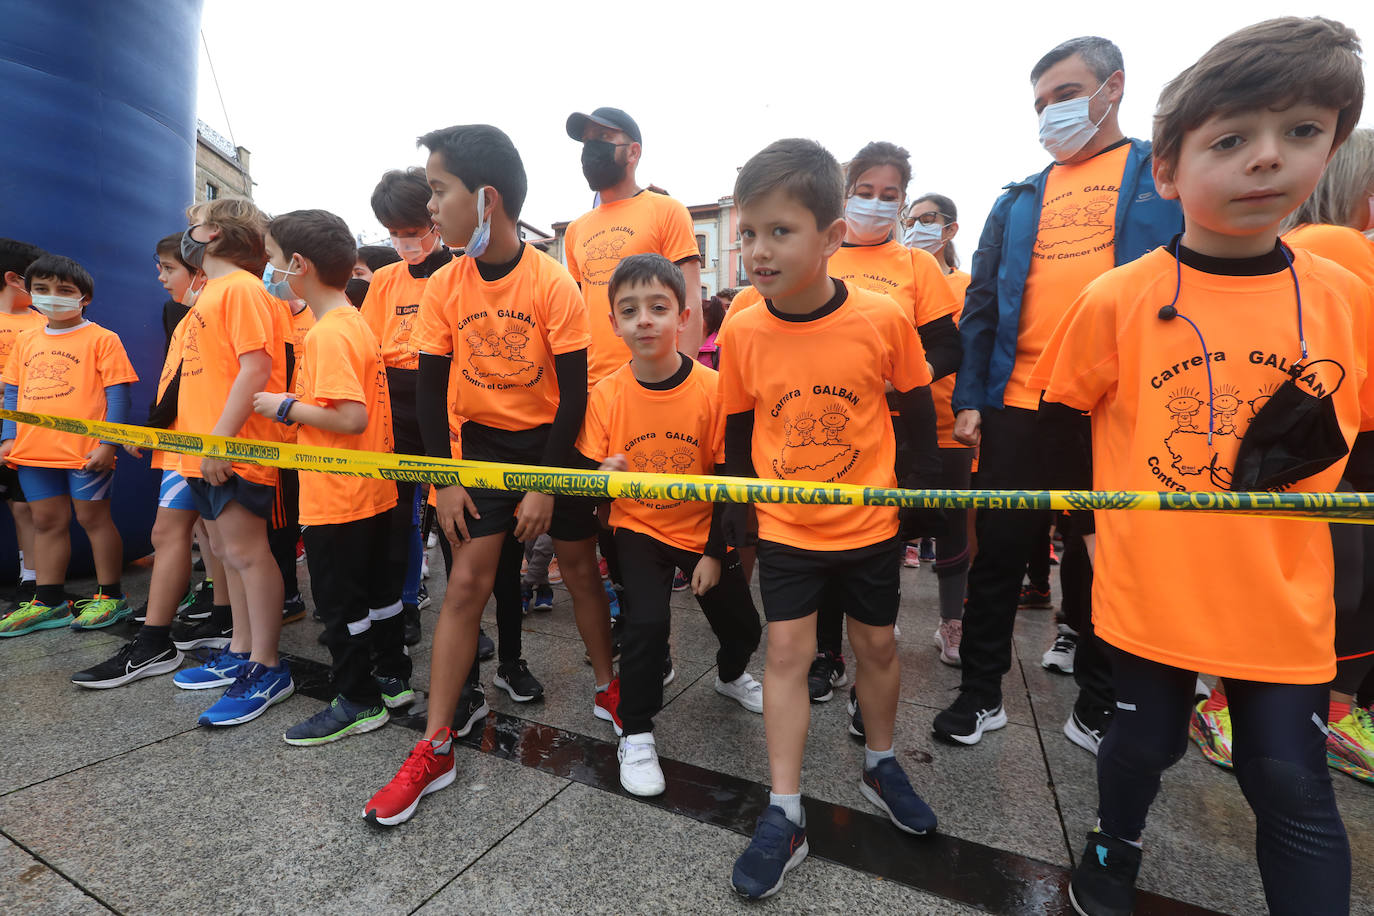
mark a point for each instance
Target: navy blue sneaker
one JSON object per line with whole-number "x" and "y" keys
{"x": 887, "y": 787}
{"x": 778, "y": 847}
{"x": 339, "y": 719}
{"x": 255, "y": 689}
{"x": 543, "y": 599}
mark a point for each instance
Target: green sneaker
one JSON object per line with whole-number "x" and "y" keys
{"x": 100, "y": 611}
{"x": 339, "y": 719}
{"x": 33, "y": 615}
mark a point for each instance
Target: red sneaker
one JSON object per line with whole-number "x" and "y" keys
{"x": 607, "y": 705}
{"x": 423, "y": 772}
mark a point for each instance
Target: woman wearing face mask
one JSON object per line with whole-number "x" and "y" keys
{"x": 873, "y": 258}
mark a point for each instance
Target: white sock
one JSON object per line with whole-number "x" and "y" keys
{"x": 443, "y": 748}
{"x": 28, "y": 574}
{"x": 790, "y": 805}
{"x": 872, "y": 758}
{"x": 602, "y": 688}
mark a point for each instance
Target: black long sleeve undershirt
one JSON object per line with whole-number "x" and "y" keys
{"x": 431, "y": 404}
{"x": 739, "y": 444}
{"x": 943, "y": 345}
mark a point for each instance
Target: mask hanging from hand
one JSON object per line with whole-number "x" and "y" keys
{"x": 1294, "y": 435}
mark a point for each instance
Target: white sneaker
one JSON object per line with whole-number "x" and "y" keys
{"x": 746, "y": 691}
{"x": 1059, "y": 657}
{"x": 640, "y": 773}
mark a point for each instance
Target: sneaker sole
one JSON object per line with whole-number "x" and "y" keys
{"x": 670, "y": 676}
{"x": 823, "y": 697}
{"x": 1073, "y": 902}
{"x": 644, "y": 791}
{"x": 505, "y": 685}
{"x": 401, "y": 699}
{"x": 250, "y": 716}
{"x": 721, "y": 689}
{"x": 603, "y": 714}
{"x": 424, "y": 603}
{"x": 990, "y": 724}
{"x": 1044, "y": 606}
{"x": 64, "y": 623}
{"x": 791, "y": 863}
{"x": 292, "y": 618}
{"x": 153, "y": 670}
{"x": 208, "y": 642}
{"x": 441, "y": 782}
{"x": 1079, "y": 737}
{"x": 541, "y": 609}
{"x": 1337, "y": 762}
{"x": 1057, "y": 667}
{"x": 358, "y": 727}
{"x": 478, "y": 715}
{"x": 877, "y": 801}
{"x": 116, "y": 618}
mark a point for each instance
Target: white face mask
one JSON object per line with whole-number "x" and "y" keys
{"x": 1066, "y": 127}
{"x": 58, "y": 307}
{"x": 869, "y": 219}
{"x": 930, "y": 238}
{"x": 414, "y": 250}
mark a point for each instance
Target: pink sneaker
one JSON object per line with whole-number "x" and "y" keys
{"x": 947, "y": 637}
{"x": 912, "y": 559}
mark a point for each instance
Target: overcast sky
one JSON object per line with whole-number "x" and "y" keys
{"x": 328, "y": 95}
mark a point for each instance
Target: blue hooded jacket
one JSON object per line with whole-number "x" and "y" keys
{"x": 992, "y": 305}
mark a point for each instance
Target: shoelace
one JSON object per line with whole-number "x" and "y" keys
{"x": 245, "y": 680}
{"x": 413, "y": 770}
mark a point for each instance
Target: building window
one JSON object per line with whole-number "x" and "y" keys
{"x": 740, "y": 276}
{"x": 211, "y": 191}
{"x": 701, "y": 249}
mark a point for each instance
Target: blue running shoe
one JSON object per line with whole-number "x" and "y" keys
{"x": 256, "y": 688}
{"x": 887, "y": 787}
{"x": 219, "y": 671}
{"x": 339, "y": 719}
{"x": 778, "y": 847}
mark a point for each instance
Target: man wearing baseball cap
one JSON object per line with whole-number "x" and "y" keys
{"x": 627, "y": 220}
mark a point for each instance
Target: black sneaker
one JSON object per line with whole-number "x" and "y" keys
{"x": 130, "y": 663}
{"x": 472, "y": 709}
{"x": 967, "y": 718}
{"x": 1087, "y": 727}
{"x": 411, "y": 618}
{"x": 200, "y": 634}
{"x": 516, "y": 680}
{"x": 669, "y": 672}
{"x": 856, "y": 715}
{"x": 199, "y": 606}
{"x": 396, "y": 691}
{"x": 486, "y": 647}
{"x": 422, "y": 599}
{"x": 827, "y": 673}
{"x": 293, "y": 609}
{"x": 1103, "y": 884}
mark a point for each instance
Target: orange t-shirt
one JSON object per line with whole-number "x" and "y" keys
{"x": 503, "y": 337}
{"x": 942, "y": 389}
{"x": 817, "y": 390}
{"x": 11, "y": 326}
{"x": 64, "y": 374}
{"x": 162, "y": 461}
{"x": 341, "y": 361}
{"x": 234, "y": 315}
{"x": 679, "y": 431}
{"x": 909, "y": 275}
{"x": 391, "y": 308}
{"x": 1238, "y": 597}
{"x": 1075, "y": 244}
{"x": 594, "y": 244}
{"x": 1347, "y": 247}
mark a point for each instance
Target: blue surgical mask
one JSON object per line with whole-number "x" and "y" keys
{"x": 1066, "y": 127}
{"x": 274, "y": 278}
{"x": 481, "y": 236}
{"x": 928, "y": 237}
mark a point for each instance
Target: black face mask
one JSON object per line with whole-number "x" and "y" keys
{"x": 356, "y": 291}
{"x": 599, "y": 165}
{"x": 192, "y": 251}
{"x": 1294, "y": 435}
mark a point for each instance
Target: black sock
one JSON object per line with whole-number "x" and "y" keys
{"x": 154, "y": 638}
{"x": 51, "y": 595}
{"x": 110, "y": 591}
{"x": 222, "y": 616}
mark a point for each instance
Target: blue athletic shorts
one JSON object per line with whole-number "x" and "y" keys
{"x": 45, "y": 483}
{"x": 210, "y": 500}
{"x": 174, "y": 492}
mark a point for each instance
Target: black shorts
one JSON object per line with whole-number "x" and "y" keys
{"x": 574, "y": 517}
{"x": 10, "y": 490}
{"x": 865, "y": 581}
{"x": 257, "y": 498}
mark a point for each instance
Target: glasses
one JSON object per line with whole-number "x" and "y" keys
{"x": 928, "y": 218}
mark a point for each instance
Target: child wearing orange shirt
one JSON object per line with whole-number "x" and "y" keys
{"x": 341, "y": 401}
{"x": 803, "y": 384}
{"x": 1269, "y": 336}
{"x": 71, "y": 368}
{"x": 236, "y": 343}
{"x": 16, "y": 317}
{"x": 661, "y": 414}
{"x": 509, "y": 322}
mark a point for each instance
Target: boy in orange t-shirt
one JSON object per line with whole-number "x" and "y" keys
{"x": 660, "y": 414}
{"x": 1269, "y": 336}
{"x": 16, "y": 317}
{"x": 509, "y": 322}
{"x": 803, "y": 383}
{"x": 236, "y": 343}
{"x": 341, "y": 401}
{"x": 71, "y": 368}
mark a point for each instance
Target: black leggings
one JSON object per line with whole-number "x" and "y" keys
{"x": 1279, "y": 751}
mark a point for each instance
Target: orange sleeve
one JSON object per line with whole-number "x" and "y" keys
{"x": 594, "y": 440}
{"x": 112, "y": 362}
{"x": 247, "y": 322}
{"x": 934, "y": 297}
{"x": 16, "y": 361}
{"x": 1364, "y": 312}
{"x": 1080, "y": 364}
{"x": 331, "y": 357}
{"x": 433, "y": 334}
{"x": 570, "y": 252}
{"x": 734, "y": 398}
{"x": 906, "y": 367}
{"x": 677, "y": 236}
{"x": 373, "y": 309}
{"x": 567, "y": 314}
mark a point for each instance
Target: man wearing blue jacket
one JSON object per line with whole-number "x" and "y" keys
{"x": 1095, "y": 207}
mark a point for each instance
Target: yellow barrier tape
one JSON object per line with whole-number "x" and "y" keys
{"x": 1328, "y": 507}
